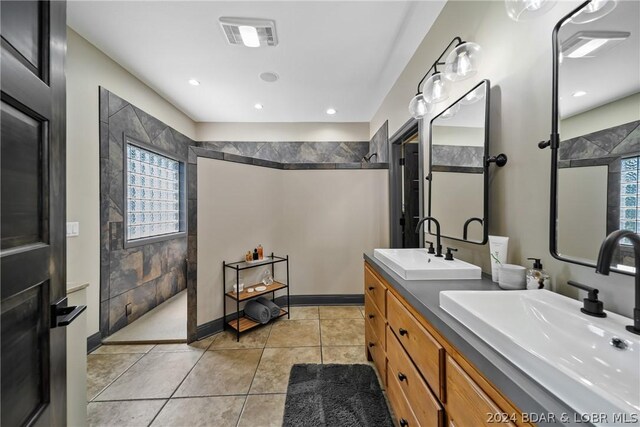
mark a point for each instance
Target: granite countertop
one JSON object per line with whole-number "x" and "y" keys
{"x": 424, "y": 295}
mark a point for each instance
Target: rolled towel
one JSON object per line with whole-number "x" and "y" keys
{"x": 258, "y": 312}
{"x": 273, "y": 308}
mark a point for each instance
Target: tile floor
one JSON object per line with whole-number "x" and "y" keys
{"x": 218, "y": 381}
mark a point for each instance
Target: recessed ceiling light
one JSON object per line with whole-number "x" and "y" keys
{"x": 258, "y": 106}
{"x": 269, "y": 76}
{"x": 194, "y": 82}
{"x": 579, "y": 93}
{"x": 331, "y": 111}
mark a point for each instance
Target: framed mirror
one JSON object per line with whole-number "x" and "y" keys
{"x": 595, "y": 139}
{"x": 458, "y": 171}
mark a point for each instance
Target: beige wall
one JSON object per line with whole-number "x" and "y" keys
{"x": 582, "y": 212}
{"x": 324, "y": 220}
{"x": 456, "y": 197}
{"x": 615, "y": 113}
{"x": 87, "y": 68}
{"x": 517, "y": 60}
{"x": 206, "y": 131}
{"x": 458, "y": 135}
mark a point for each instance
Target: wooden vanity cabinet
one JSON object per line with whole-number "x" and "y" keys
{"x": 428, "y": 382}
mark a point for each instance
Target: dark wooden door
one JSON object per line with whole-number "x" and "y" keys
{"x": 411, "y": 198}
{"x": 32, "y": 229}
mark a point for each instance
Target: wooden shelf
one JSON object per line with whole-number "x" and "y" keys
{"x": 244, "y": 295}
{"x": 246, "y": 323}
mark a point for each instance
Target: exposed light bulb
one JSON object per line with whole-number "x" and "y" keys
{"x": 258, "y": 106}
{"x": 464, "y": 64}
{"x": 419, "y": 107}
{"x": 331, "y": 111}
{"x": 532, "y": 5}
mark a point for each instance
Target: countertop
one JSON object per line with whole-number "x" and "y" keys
{"x": 525, "y": 393}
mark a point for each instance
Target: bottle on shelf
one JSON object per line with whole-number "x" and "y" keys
{"x": 255, "y": 254}
{"x": 248, "y": 256}
{"x": 260, "y": 252}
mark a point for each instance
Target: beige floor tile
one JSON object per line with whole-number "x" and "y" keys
{"x": 272, "y": 375}
{"x": 123, "y": 348}
{"x": 264, "y": 410}
{"x": 156, "y": 375}
{"x": 121, "y": 414}
{"x": 201, "y": 411}
{"x": 295, "y": 333}
{"x": 298, "y": 313}
{"x": 340, "y": 312}
{"x": 342, "y": 331}
{"x": 103, "y": 369}
{"x": 344, "y": 354}
{"x": 362, "y": 310}
{"x": 221, "y": 372}
{"x": 256, "y": 338}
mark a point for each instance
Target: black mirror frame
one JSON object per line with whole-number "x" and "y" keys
{"x": 485, "y": 164}
{"x": 554, "y": 144}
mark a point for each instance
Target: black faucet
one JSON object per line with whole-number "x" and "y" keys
{"x": 438, "y": 237}
{"x": 466, "y": 226}
{"x": 608, "y": 247}
{"x": 367, "y": 159}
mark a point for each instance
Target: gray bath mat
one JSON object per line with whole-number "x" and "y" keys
{"x": 335, "y": 396}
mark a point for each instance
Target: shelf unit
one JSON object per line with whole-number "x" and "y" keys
{"x": 242, "y": 323}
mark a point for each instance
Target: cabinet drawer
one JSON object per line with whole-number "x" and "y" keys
{"x": 401, "y": 407}
{"x": 376, "y": 320}
{"x": 426, "y": 407}
{"x": 467, "y": 404}
{"x": 377, "y": 353}
{"x": 421, "y": 347}
{"x": 375, "y": 289}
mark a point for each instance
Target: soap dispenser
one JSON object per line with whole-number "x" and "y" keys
{"x": 537, "y": 278}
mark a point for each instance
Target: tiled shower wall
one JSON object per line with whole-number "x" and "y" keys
{"x": 294, "y": 151}
{"x": 380, "y": 144}
{"x": 146, "y": 275}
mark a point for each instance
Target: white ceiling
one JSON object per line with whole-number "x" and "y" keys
{"x": 340, "y": 54}
{"x": 611, "y": 74}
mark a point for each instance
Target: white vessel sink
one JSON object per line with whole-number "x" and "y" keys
{"x": 567, "y": 352}
{"x": 417, "y": 264}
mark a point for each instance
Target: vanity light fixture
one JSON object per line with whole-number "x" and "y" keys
{"x": 461, "y": 63}
{"x": 258, "y": 106}
{"x": 331, "y": 111}
{"x": 585, "y": 44}
{"x": 522, "y": 10}
{"x": 578, "y": 93}
{"x": 194, "y": 82}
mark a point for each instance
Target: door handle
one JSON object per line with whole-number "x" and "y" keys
{"x": 61, "y": 315}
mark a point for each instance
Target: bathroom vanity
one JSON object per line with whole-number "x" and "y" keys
{"x": 435, "y": 371}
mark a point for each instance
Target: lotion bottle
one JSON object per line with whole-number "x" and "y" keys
{"x": 537, "y": 278}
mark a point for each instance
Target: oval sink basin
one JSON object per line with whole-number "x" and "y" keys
{"x": 564, "y": 350}
{"x": 417, "y": 264}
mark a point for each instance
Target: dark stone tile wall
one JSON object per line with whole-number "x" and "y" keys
{"x": 293, "y": 152}
{"x": 380, "y": 144}
{"x": 457, "y": 156}
{"x": 605, "y": 148}
{"x": 147, "y": 275}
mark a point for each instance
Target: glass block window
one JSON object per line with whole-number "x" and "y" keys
{"x": 153, "y": 194}
{"x": 629, "y": 195}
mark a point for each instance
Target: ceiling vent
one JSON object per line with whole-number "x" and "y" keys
{"x": 249, "y": 32}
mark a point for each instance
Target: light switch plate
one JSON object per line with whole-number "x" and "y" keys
{"x": 73, "y": 229}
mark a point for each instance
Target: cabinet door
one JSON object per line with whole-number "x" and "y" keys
{"x": 467, "y": 404}
{"x": 375, "y": 289}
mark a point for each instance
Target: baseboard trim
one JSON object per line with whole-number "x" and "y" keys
{"x": 217, "y": 325}
{"x": 93, "y": 342}
{"x": 337, "y": 299}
